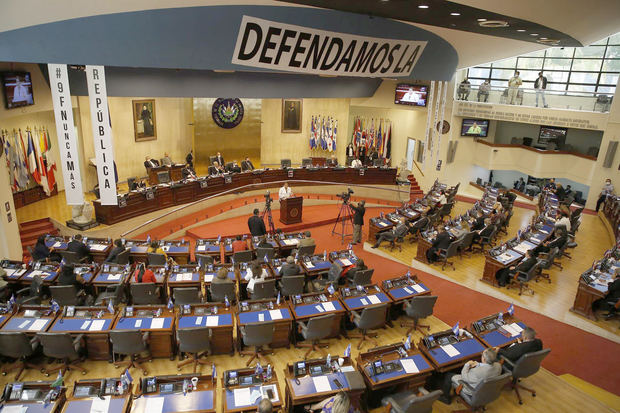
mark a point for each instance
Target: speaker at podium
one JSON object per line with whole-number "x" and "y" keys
{"x": 290, "y": 210}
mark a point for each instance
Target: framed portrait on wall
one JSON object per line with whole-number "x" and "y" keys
{"x": 144, "y": 120}
{"x": 291, "y": 115}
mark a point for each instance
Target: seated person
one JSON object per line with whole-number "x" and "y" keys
{"x": 504, "y": 275}
{"x": 253, "y": 275}
{"x": 333, "y": 161}
{"x": 117, "y": 249}
{"x": 307, "y": 240}
{"x": 527, "y": 343}
{"x": 563, "y": 221}
{"x": 188, "y": 172}
{"x": 356, "y": 163}
{"x": 340, "y": 403}
{"x": 442, "y": 198}
{"x": 289, "y": 268}
{"x": 166, "y": 161}
{"x": 441, "y": 242}
{"x": 519, "y": 185}
{"x": 613, "y": 295}
{"x": 397, "y": 231}
{"x": 216, "y": 169}
{"x": 41, "y": 252}
{"x": 551, "y": 185}
{"x": 76, "y": 245}
{"x": 221, "y": 277}
{"x": 560, "y": 238}
{"x": 472, "y": 374}
{"x": 560, "y": 192}
{"x": 351, "y": 271}
{"x": 135, "y": 185}
{"x": 144, "y": 275}
{"x": 233, "y": 167}
{"x": 479, "y": 221}
{"x": 263, "y": 243}
{"x": 247, "y": 165}
{"x": 156, "y": 249}
{"x": 265, "y": 406}
{"x": 150, "y": 163}
{"x": 239, "y": 245}
{"x": 484, "y": 232}
{"x": 220, "y": 159}
{"x": 68, "y": 277}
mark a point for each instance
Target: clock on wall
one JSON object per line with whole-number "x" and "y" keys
{"x": 227, "y": 112}
{"x": 443, "y": 128}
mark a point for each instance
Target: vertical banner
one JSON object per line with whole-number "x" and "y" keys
{"x": 434, "y": 122}
{"x": 102, "y": 133}
{"x": 429, "y": 107}
{"x": 65, "y": 131}
{"x": 439, "y": 125}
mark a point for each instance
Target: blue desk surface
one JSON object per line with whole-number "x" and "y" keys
{"x": 508, "y": 257}
{"x": 230, "y": 397}
{"x": 16, "y": 273}
{"x": 231, "y": 275}
{"x": 173, "y": 277}
{"x": 190, "y": 321}
{"x": 466, "y": 348}
{"x": 353, "y": 260}
{"x": 497, "y": 339}
{"x": 76, "y": 324}
{"x": 177, "y": 402}
{"x": 400, "y": 292}
{"x": 538, "y": 237}
{"x": 33, "y": 407}
{"x": 104, "y": 277}
{"x": 356, "y": 302}
{"x": 87, "y": 276}
{"x": 61, "y": 246}
{"x": 383, "y": 223}
{"x": 318, "y": 265}
{"x": 306, "y": 384}
{"x": 141, "y": 249}
{"x": 207, "y": 248}
{"x": 138, "y": 249}
{"x": 81, "y": 406}
{"x": 45, "y": 275}
{"x": 130, "y": 323}
{"x": 305, "y": 310}
{"x": 252, "y": 316}
{"x": 419, "y": 361}
{"x": 15, "y": 322}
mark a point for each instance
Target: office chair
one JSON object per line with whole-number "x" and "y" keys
{"x": 114, "y": 293}
{"x": 194, "y": 340}
{"x": 487, "y": 391}
{"x": 306, "y": 250}
{"x": 31, "y": 294}
{"x": 486, "y": 238}
{"x": 219, "y": 292}
{"x": 63, "y": 347}
{"x": 409, "y": 402}
{"x": 155, "y": 259}
{"x": 31, "y": 252}
{"x": 465, "y": 245}
{"x": 545, "y": 264}
{"x": 144, "y": 293}
{"x": 72, "y": 257}
{"x": 445, "y": 209}
{"x": 17, "y": 345}
{"x": 242, "y": 256}
{"x": 186, "y": 295}
{"x": 522, "y": 279}
{"x": 204, "y": 260}
{"x": 130, "y": 343}
{"x": 363, "y": 277}
{"x": 130, "y": 181}
{"x": 292, "y": 285}
{"x": 257, "y": 335}
{"x": 503, "y": 228}
{"x": 316, "y": 329}
{"x": 398, "y": 238}
{"x": 261, "y": 252}
{"x": 264, "y": 289}
{"x": 527, "y": 365}
{"x": 418, "y": 227}
{"x": 123, "y": 257}
{"x": 417, "y": 308}
{"x": 451, "y": 251}
{"x": 67, "y": 295}
{"x": 371, "y": 318}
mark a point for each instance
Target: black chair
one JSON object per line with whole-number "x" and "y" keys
{"x": 123, "y": 257}
{"x": 315, "y": 330}
{"x": 418, "y": 227}
{"x": 444, "y": 254}
{"x": 144, "y": 293}
{"x": 465, "y": 245}
{"x": 417, "y": 308}
{"x": 257, "y": 335}
{"x": 67, "y": 295}
{"x": 371, "y": 318}
{"x": 445, "y": 209}
{"x": 363, "y": 277}
{"x": 71, "y": 257}
{"x": 18, "y": 346}
{"x": 63, "y": 347}
{"x": 487, "y": 391}
{"x": 409, "y": 402}
{"x": 130, "y": 343}
{"x": 204, "y": 260}
{"x": 155, "y": 259}
{"x": 306, "y": 250}
{"x": 194, "y": 340}
{"x": 114, "y": 293}
{"x": 521, "y": 279}
{"x": 485, "y": 240}
{"x": 285, "y": 163}
{"x": 261, "y": 252}
{"x": 242, "y": 256}
{"x": 31, "y": 252}
{"x": 546, "y": 263}
{"x": 264, "y": 289}
{"x": 292, "y": 285}
{"x": 219, "y": 292}
{"x": 398, "y": 238}
{"x": 130, "y": 181}
{"x": 505, "y": 223}
{"x": 527, "y": 365}
{"x": 31, "y": 294}
{"x": 186, "y": 295}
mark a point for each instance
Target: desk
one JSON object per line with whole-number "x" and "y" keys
{"x": 404, "y": 288}
{"x": 14, "y": 270}
{"x": 423, "y": 246}
{"x": 99, "y": 247}
{"x": 95, "y": 330}
{"x": 30, "y": 325}
{"x": 177, "y": 250}
{"x": 493, "y": 264}
{"x": 111, "y": 274}
{"x": 202, "y": 399}
{"x": 221, "y": 325}
{"x": 402, "y": 378}
{"x": 288, "y": 242}
{"x": 184, "y": 276}
{"x": 259, "y": 311}
{"x": 354, "y": 299}
{"x": 37, "y": 405}
{"x": 175, "y": 172}
{"x": 468, "y": 348}
{"x": 307, "y": 306}
{"x": 315, "y": 264}
{"x": 49, "y": 273}
{"x": 344, "y": 258}
{"x": 211, "y": 247}
{"x": 77, "y": 404}
{"x": 490, "y": 335}
{"x": 586, "y": 294}
{"x": 377, "y": 225}
{"x": 230, "y": 401}
{"x": 161, "y": 341}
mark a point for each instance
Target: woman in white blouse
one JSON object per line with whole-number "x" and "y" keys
{"x": 253, "y": 275}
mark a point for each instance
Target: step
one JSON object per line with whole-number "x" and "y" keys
{"x": 39, "y": 223}
{"x": 31, "y": 238}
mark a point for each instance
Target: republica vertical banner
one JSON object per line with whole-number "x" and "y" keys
{"x": 102, "y": 133}
{"x": 65, "y": 131}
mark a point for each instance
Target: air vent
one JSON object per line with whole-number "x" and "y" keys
{"x": 493, "y": 24}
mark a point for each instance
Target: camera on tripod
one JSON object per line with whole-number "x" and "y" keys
{"x": 345, "y": 196}
{"x": 268, "y": 200}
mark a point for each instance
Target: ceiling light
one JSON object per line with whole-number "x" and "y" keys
{"x": 543, "y": 38}
{"x": 493, "y": 24}
{"x": 422, "y": 6}
{"x": 455, "y": 14}
{"x": 520, "y": 30}
{"x": 482, "y": 20}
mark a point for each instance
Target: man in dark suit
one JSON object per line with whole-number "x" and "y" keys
{"x": 528, "y": 343}
{"x": 247, "y": 165}
{"x": 188, "y": 172}
{"x": 442, "y": 241}
{"x": 256, "y": 225}
{"x": 233, "y": 167}
{"x": 558, "y": 241}
{"x": 478, "y": 222}
{"x": 396, "y": 232}
{"x": 358, "y": 221}
{"x": 216, "y": 169}
{"x": 220, "y": 159}
{"x": 289, "y": 268}
{"x": 150, "y": 163}
{"x": 612, "y": 297}
{"x": 76, "y": 245}
{"x": 504, "y": 275}
{"x": 117, "y": 249}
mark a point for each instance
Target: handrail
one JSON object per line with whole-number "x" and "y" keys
{"x": 539, "y": 151}
{"x": 253, "y": 186}
{"x": 417, "y": 166}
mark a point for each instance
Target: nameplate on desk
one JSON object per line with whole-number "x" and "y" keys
{"x": 165, "y": 248}
{"x": 208, "y": 278}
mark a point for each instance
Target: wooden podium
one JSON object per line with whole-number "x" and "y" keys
{"x": 290, "y": 210}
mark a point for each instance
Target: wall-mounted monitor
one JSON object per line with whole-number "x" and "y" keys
{"x": 412, "y": 95}
{"x": 475, "y": 127}
{"x": 17, "y": 87}
{"x": 552, "y": 134}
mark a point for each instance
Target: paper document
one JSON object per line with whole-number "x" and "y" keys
{"x": 329, "y": 306}
{"x": 409, "y": 366}
{"x": 14, "y": 272}
{"x": 418, "y": 288}
{"x": 255, "y": 396}
{"x": 114, "y": 277}
{"x": 516, "y": 327}
{"x": 309, "y": 264}
{"x": 374, "y": 299}
{"x": 57, "y": 244}
{"x": 242, "y": 397}
{"x": 15, "y": 409}
{"x": 383, "y": 224}
{"x": 187, "y": 276}
{"x": 98, "y": 247}
{"x": 364, "y": 301}
{"x": 37, "y": 325}
{"x": 212, "y": 321}
{"x": 408, "y": 291}
{"x": 201, "y": 248}
{"x": 274, "y": 390}
{"x": 157, "y": 322}
{"x": 154, "y": 404}
{"x": 319, "y": 308}
{"x": 33, "y": 273}
{"x": 198, "y": 321}
{"x": 85, "y": 325}
{"x": 97, "y": 325}
{"x": 208, "y": 278}
{"x": 100, "y": 405}
{"x": 346, "y": 262}
{"x": 347, "y": 368}
{"x": 165, "y": 248}
{"x": 275, "y": 314}
{"x": 450, "y": 350}
{"x": 261, "y": 317}
{"x": 290, "y": 242}
{"x": 138, "y": 323}
{"x": 23, "y": 324}
{"x": 321, "y": 384}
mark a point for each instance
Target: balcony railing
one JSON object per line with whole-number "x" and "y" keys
{"x": 585, "y": 101}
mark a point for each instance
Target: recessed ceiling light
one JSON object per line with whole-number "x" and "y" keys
{"x": 493, "y": 24}
{"x": 533, "y": 34}
{"x": 520, "y": 30}
{"x": 482, "y": 20}
{"x": 543, "y": 38}
{"x": 422, "y": 6}
{"x": 455, "y": 14}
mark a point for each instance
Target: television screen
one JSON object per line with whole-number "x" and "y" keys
{"x": 475, "y": 127}
{"x": 413, "y": 95}
{"x": 17, "y": 89}
{"x": 551, "y": 134}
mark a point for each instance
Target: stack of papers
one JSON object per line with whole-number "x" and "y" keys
{"x": 212, "y": 321}
{"x": 242, "y": 396}
{"x": 374, "y": 299}
{"x": 409, "y": 366}
{"x": 100, "y": 405}
{"x": 37, "y": 325}
{"x": 364, "y": 301}
{"x": 97, "y": 325}
{"x": 418, "y": 288}
{"x": 98, "y": 247}
{"x": 10, "y": 272}
{"x": 319, "y": 308}
{"x": 346, "y": 262}
{"x": 321, "y": 384}
{"x": 450, "y": 350}
{"x": 329, "y": 306}
{"x": 157, "y": 323}
{"x": 154, "y": 404}
{"x": 114, "y": 277}
{"x": 513, "y": 329}
{"x": 275, "y": 314}
{"x": 522, "y": 248}
{"x": 36, "y": 272}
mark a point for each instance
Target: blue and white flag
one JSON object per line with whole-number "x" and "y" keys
{"x": 347, "y": 351}
{"x": 170, "y": 304}
{"x": 219, "y": 239}
{"x": 226, "y": 301}
{"x": 511, "y": 309}
{"x": 148, "y": 239}
{"x": 185, "y": 387}
{"x": 331, "y": 289}
{"x": 110, "y": 307}
{"x": 328, "y": 360}
{"x": 278, "y": 299}
{"x": 55, "y": 306}
{"x": 259, "y": 369}
{"x": 456, "y": 329}
{"x": 57, "y": 383}
{"x": 269, "y": 370}
{"x": 213, "y": 372}
{"x": 265, "y": 258}
{"x": 408, "y": 342}
{"x": 99, "y": 314}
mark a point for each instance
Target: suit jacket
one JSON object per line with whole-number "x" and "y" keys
{"x": 256, "y": 226}
{"x": 514, "y": 352}
{"x": 442, "y": 241}
{"x": 167, "y": 161}
{"x": 544, "y": 82}
{"x": 478, "y": 224}
{"x": 79, "y": 248}
{"x": 114, "y": 254}
{"x": 558, "y": 242}
{"x": 487, "y": 230}
{"x": 613, "y": 290}
{"x": 220, "y": 160}
{"x": 187, "y": 173}
{"x": 40, "y": 252}
{"x": 527, "y": 264}
{"x": 474, "y": 375}
{"x": 247, "y": 166}
{"x": 151, "y": 164}
{"x": 358, "y": 217}
{"x": 290, "y": 269}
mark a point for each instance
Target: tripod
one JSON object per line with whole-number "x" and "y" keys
{"x": 267, "y": 211}
{"x": 345, "y": 218}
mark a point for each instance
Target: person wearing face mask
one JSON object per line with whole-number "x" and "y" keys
{"x": 608, "y": 189}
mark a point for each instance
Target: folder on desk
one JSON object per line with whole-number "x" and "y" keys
{"x": 374, "y": 299}
{"x": 329, "y": 306}
{"x": 212, "y": 321}
{"x": 157, "y": 323}
{"x": 97, "y": 325}
{"x": 275, "y": 314}
{"x": 154, "y": 404}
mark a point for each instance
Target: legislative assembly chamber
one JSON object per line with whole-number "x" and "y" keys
{"x": 384, "y": 206}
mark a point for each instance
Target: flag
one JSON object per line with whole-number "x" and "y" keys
{"x": 110, "y": 306}
{"x": 278, "y": 299}
{"x": 511, "y": 309}
{"x": 268, "y": 371}
{"x": 388, "y": 142}
{"x": 259, "y": 369}
{"x": 148, "y": 239}
{"x": 331, "y": 290}
{"x": 265, "y": 258}
{"x": 334, "y": 135}
{"x": 408, "y": 342}
{"x": 213, "y": 371}
{"x": 185, "y": 387}
{"x": 324, "y": 255}
{"x": 42, "y": 162}
{"x": 347, "y": 351}
{"x": 55, "y": 306}
{"x": 12, "y": 300}
{"x": 59, "y": 380}
{"x": 170, "y": 304}
{"x": 33, "y": 166}
{"x": 219, "y": 239}
{"x": 226, "y": 301}
{"x": 328, "y": 360}
{"x": 456, "y": 329}
{"x": 379, "y": 139}
{"x": 312, "y": 130}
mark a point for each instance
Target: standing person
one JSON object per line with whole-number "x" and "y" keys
{"x": 464, "y": 89}
{"x": 147, "y": 121}
{"x": 220, "y": 159}
{"x": 256, "y": 225}
{"x": 608, "y": 189}
{"x": 540, "y": 84}
{"x": 247, "y": 165}
{"x": 285, "y": 192}
{"x": 483, "y": 91}
{"x": 358, "y": 221}
{"x": 513, "y": 87}
{"x": 189, "y": 158}
{"x": 350, "y": 150}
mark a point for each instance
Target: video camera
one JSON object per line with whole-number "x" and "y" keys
{"x": 268, "y": 200}
{"x": 345, "y": 196}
